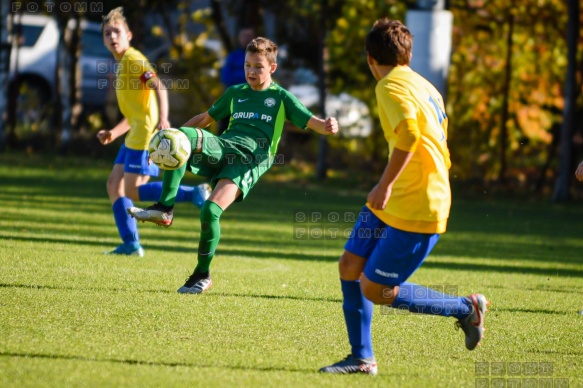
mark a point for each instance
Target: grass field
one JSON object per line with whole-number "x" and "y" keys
{"x": 70, "y": 316}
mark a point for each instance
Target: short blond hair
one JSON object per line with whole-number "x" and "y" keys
{"x": 263, "y": 46}
{"x": 115, "y": 15}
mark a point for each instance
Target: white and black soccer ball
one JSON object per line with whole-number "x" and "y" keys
{"x": 169, "y": 149}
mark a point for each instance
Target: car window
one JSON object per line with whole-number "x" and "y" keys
{"x": 92, "y": 45}
{"x": 29, "y": 34}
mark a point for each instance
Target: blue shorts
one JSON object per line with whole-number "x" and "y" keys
{"x": 392, "y": 255}
{"x": 136, "y": 161}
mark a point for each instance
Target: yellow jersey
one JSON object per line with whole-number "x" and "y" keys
{"x": 413, "y": 119}
{"x": 136, "y": 98}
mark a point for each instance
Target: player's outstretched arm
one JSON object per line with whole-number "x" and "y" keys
{"x": 106, "y": 136}
{"x": 324, "y": 127}
{"x": 202, "y": 120}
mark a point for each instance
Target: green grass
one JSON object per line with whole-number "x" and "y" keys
{"x": 70, "y": 316}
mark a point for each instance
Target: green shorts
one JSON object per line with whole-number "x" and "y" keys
{"x": 223, "y": 159}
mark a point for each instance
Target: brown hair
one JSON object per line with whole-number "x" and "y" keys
{"x": 263, "y": 46}
{"x": 389, "y": 42}
{"x": 115, "y": 15}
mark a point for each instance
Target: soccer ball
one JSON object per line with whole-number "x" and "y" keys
{"x": 169, "y": 149}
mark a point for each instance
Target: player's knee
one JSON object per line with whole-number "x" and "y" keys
{"x": 132, "y": 193}
{"x": 113, "y": 188}
{"x": 349, "y": 267}
{"x": 378, "y": 293}
{"x": 210, "y": 212}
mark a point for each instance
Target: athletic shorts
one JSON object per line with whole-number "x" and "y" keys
{"x": 221, "y": 159}
{"x": 392, "y": 255}
{"x": 136, "y": 161}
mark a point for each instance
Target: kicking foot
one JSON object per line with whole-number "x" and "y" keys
{"x": 157, "y": 213}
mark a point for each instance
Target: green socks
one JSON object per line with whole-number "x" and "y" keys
{"x": 170, "y": 185}
{"x": 210, "y": 234}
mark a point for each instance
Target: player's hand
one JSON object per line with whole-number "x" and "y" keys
{"x": 378, "y": 197}
{"x": 331, "y": 125}
{"x": 164, "y": 123}
{"x": 105, "y": 137}
{"x": 579, "y": 172}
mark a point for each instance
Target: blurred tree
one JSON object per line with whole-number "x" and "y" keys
{"x": 561, "y": 192}
{"x": 476, "y": 87}
{"x": 5, "y": 48}
{"x": 507, "y": 90}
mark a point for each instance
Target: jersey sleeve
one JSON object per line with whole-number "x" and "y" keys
{"x": 139, "y": 67}
{"x": 395, "y": 101}
{"x": 222, "y": 106}
{"x": 295, "y": 111}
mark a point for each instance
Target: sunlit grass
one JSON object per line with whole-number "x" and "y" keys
{"x": 70, "y": 316}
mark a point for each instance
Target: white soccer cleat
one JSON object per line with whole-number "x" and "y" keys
{"x": 157, "y": 214}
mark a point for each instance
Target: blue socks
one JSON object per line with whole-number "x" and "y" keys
{"x": 423, "y": 300}
{"x": 358, "y": 314}
{"x": 126, "y": 225}
{"x": 152, "y": 191}
{"x": 413, "y": 297}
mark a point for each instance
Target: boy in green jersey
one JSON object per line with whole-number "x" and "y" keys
{"x": 235, "y": 161}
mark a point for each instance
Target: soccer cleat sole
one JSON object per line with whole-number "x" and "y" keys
{"x": 185, "y": 290}
{"x": 163, "y": 223}
{"x": 348, "y": 366}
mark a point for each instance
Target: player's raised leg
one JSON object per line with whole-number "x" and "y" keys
{"x": 384, "y": 281}
{"x": 193, "y": 194}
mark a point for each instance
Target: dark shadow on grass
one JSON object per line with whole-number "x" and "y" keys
{"x": 151, "y": 363}
{"x": 280, "y": 297}
{"x": 332, "y": 257}
{"x": 568, "y": 353}
{"x": 106, "y": 245}
{"x": 533, "y": 311}
{"x": 176, "y": 247}
{"x": 486, "y": 268}
{"x": 172, "y": 292}
{"x": 572, "y": 289}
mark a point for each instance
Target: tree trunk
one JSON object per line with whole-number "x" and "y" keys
{"x": 5, "y": 48}
{"x": 561, "y": 191}
{"x": 322, "y": 166}
{"x": 506, "y": 92}
{"x": 219, "y": 22}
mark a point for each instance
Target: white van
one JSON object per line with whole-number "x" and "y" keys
{"x": 34, "y": 59}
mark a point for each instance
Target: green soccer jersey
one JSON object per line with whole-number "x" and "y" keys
{"x": 258, "y": 117}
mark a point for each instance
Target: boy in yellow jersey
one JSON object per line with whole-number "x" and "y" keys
{"x": 143, "y": 102}
{"x": 406, "y": 211}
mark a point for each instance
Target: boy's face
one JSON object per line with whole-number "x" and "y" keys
{"x": 258, "y": 71}
{"x": 116, "y": 38}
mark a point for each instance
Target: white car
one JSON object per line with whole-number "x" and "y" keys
{"x": 34, "y": 59}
